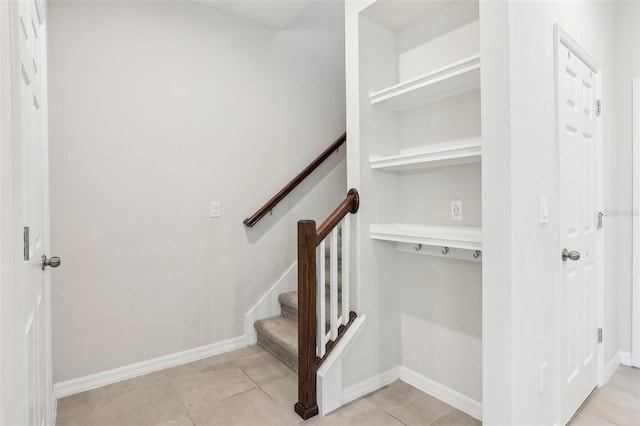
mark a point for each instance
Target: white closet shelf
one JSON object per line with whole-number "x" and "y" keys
{"x": 466, "y": 151}
{"x": 455, "y": 78}
{"x": 452, "y": 236}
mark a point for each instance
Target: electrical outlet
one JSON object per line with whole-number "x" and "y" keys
{"x": 456, "y": 209}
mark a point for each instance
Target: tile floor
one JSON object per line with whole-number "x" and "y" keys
{"x": 250, "y": 387}
{"x": 244, "y": 387}
{"x": 616, "y": 403}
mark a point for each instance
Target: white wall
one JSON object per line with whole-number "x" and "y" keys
{"x": 526, "y": 303}
{"x": 156, "y": 109}
{"x": 627, "y": 68}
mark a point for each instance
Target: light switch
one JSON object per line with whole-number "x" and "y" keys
{"x": 544, "y": 209}
{"x": 542, "y": 378}
{"x": 215, "y": 209}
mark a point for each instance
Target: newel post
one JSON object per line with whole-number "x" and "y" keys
{"x": 307, "y": 405}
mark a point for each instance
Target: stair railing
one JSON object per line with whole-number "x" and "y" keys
{"x": 269, "y": 205}
{"x": 314, "y": 341}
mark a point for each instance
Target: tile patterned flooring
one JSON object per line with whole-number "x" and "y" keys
{"x": 616, "y": 403}
{"x": 250, "y": 387}
{"x": 243, "y": 387}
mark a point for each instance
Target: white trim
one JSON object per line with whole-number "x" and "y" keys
{"x": 626, "y": 359}
{"x": 343, "y": 346}
{"x": 372, "y": 384}
{"x": 418, "y": 381}
{"x": 570, "y": 43}
{"x": 108, "y": 377}
{"x": 268, "y": 305}
{"x": 635, "y": 323}
{"x": 442, "y": 392}
{"x": 610, "y": 369}
{"x": 329, "y": 380}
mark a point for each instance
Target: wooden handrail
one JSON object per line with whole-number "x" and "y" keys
{"x": 308, "y": 362}
{"x": 348, "y": 205}
{"x": 269, "y": 205}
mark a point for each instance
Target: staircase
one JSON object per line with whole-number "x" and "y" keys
{"x": 279, "y": 335}
{"x": 316, "y": 325}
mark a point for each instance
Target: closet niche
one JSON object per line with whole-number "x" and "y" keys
{"x": 421, "y": 156}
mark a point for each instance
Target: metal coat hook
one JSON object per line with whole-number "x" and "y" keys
{"x": 418, "y": 247}
{"x": 477, "y": 254}
{"x": 445, "y": 250}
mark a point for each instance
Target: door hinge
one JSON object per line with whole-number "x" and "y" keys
{"x": 599, "y": 335}
{"x": 598, "y": 107}
{"x": 601, "y": 215}
{"x": 25, "y": 239}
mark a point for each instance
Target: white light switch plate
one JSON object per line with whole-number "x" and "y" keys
{"x": 215, "y": 209}
{"x": 542, "y": 378}
{"x": 544, "y": 209}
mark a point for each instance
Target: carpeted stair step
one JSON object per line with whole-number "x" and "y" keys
{"x": 279, "y": 337}
{"x": 289, "y": 306}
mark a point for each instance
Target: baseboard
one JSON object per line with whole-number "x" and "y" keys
{"x": 610, "y": 369}
{"x": 268, "y": 305}
{"x": 443, "y": 393}
{"x": 367, "y": 386}
{"x": 626, "y": 358}
{"x": 426, "y": 385}
{"x": 92, "y": 381}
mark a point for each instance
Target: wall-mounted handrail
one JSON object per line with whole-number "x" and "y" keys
{"x": 269, "y": 205}
{"x": 311, "y": 350}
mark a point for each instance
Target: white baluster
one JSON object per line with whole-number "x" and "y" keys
{"x": 346, "y": 238}
{"x": 321, "y": 338}
{"x": 333, "y": 285}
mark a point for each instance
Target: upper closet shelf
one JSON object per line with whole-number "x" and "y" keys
{"x": 458, "y": 77}
{"x": 452, "y": 236}
{"x": 450, "y": 154}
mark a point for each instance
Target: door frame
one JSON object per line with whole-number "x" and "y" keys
{"x": 562, "y": 37}
{"x": 635, "y": 322}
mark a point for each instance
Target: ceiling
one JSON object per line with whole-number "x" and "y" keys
{"x": 275, "y": 14}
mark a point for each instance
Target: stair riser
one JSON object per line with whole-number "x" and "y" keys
{"x": 268, "y": 344}
{"x": 289, "y": 312}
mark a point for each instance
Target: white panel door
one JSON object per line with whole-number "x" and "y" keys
{"x": 578, "y": 230}
{"x": 33, "y": 387}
